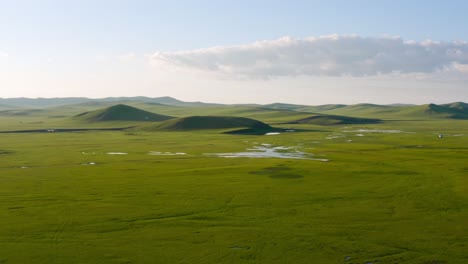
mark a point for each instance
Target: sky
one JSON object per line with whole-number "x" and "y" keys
{"x": 244, "y": 51}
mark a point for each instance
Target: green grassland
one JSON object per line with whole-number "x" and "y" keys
{"x": 391, "y": 192}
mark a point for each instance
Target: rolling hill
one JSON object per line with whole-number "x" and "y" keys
{"x": 22, "y": 112}
{"x": 283, "y": 106}
{"x": 458, "y": 106}
{"x": 456, "y": 110}
{"x": 334, "y": 120}
{"x": 275, "y": 112}
{"x": 121, "y": 112}
{"x": 6, "y": 107}
{"x": 452, "y": 111}
{"x": 53, "y": 102}
{"x": 258, "y": 113}
{"x": 359, "y": 110}
{"x": 321, "y": 108}
{"x": 208, "y": 122}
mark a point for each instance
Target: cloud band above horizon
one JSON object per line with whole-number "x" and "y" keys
{"x": 334, "y": 55}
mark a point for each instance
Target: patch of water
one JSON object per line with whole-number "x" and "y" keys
{"x": 158, "y": 153}
{"x": 387, "y": 131}
{"x": 117, "y": 153}
{"x": 268, "y": 151}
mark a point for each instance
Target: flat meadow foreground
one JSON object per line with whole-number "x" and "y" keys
{"x": 233, "y": 132}
{"x": 377, "y": 193}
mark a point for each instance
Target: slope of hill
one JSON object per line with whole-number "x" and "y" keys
{"x": 321, "y": 108}
{"x": 276, "y": 112}
{"x": 335, "y": 120}
{"x": 165, "y": 100}
{"x": 22, "y": 112}
{"x": 6, "y": 107}
{"x": 121, "y": 112}
{"x": 42, "y": 102}
{"x": 53, "y": 102}
{"x": 429, "y": 111}
{"x": 453, "y": 111}
{"x": 282, "y": 106}
{"x": 362, "y": 110}
{"x": 208, "y": 122}
{"x": 458, "y": 106}
{"x": 258, "y": 113}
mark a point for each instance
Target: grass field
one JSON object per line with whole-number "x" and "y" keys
{"x": 390, "y": 193}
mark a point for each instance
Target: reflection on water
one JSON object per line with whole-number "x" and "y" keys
{"x": 158, "y": 153}
{"x": 388, "y": 131}
{"x": 268, "y": 151}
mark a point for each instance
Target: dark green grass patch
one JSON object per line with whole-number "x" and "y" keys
{"x": 279, "y": 172}
{"x": 5, "y": 152}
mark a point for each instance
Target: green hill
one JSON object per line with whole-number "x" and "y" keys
{"x": 362, "y": 110}
{"x": 321, "y": 108}
{"x": 453, "y": 111}
{"x": 458, "y": 106}
{"x": 335, "y": 120}
{"x": 22, "y": 112}
{"x": 208, "y": 122}
{"x": 121, "y": 112}
{"x": 428, "y": 111}
{"x": 6, "y": 107}
{"x": 53, "y": 102}
{"x": 282, "y": 106}
{"x": 257, "y": 113}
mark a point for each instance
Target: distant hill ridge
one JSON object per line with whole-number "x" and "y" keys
{"x": 456, "y": 110}
{"x": 335, "y": 120}
{"x": 52, "y": 102}
{"x": 6, "y": 107}
{"x": 121, "y": 112}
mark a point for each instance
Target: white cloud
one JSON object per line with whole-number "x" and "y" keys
{"x": 334, "y": 55}
{"x": 101, "y": 58}
{"x": 4, "y": 54}
{"x": 463, "y": 68}
{"x": 127, "y": 57}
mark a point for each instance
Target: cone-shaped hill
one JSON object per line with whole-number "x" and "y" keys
{"x": 121, "y": 112}
{"x": 208, "y": 122}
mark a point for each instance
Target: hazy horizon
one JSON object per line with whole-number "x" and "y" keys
{"x": 228, "y": 103}
{"x": 304, "y": 52}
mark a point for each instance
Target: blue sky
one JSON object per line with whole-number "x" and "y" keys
{"x": 77, "y": 48}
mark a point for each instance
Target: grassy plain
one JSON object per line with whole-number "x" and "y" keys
{"x": 382, "y": 197}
